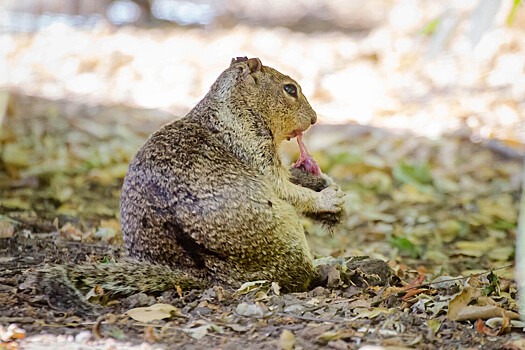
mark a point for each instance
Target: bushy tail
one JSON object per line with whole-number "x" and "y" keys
{"x": 126, "y": 278}
{"x": 66, "y": 285}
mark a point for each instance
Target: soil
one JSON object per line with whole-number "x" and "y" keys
{"x": 321, "y": 318}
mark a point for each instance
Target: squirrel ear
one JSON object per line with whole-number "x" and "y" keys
{"x": 254, "y": 64}
{"x": 238, "y": 59}
{"x": 251, "y": 65}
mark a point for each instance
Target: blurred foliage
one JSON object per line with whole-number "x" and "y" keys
{"x": 514, "y": 9}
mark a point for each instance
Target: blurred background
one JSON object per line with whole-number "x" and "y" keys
{"x": 429, "y": 66}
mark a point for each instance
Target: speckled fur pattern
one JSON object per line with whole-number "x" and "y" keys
{"x": 207, "y": 196}
{"x": 199, "y": 195}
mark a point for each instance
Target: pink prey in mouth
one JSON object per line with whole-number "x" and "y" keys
{"x": 306, "y": 162}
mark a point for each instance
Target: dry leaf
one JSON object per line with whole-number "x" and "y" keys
{"x": 239, "y": 328}
{"x": 249, "y": 286}
{"x": 373, "y": 313}
{"x": 251, "y": 310}
{"x": 276, "y": 288}
{"x": 287, "y": 340}
{"x": 197, "y": 332}
{"x": 7, "y": 229}
{"x": 460, "y": 310}
{"x": 330, "y": 335}
{"x": 474, "y": 312}
{"x": 70, "y": 232}
{"x": 94, "y": 293}
{"x": 461, "y": 300}
{"x": 153, "y": 312}
{"x": 501, "y": 253}
{"x": 504, "y": 323}
{"x": 201, "y": 331}
{"x": 501, "y": 207}
{"x": 434, "y": 325}
{"x": 149, "y": 334}
{"x": 481, "y": 328}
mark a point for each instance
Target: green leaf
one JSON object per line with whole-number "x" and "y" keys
{"x": 503, "y": 225}
{"x": 118, "y": 334}
{"x": 106, "y": 260}
{"x": 513, "y": 10}
{"x": 405, "y": 246}
{"x": 415, "y": 174}
{"x": 494, "y": 286}
{"x": 431, "y": 27}
{"x": 346, "y": 158}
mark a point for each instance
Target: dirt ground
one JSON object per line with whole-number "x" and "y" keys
{"x": 414, "y": 202}
{"x": 322, "y": 318}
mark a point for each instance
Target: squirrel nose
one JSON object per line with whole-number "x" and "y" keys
{"x": 314, "y": 118}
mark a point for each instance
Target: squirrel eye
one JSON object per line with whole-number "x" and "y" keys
{"x": 291, "y": 90}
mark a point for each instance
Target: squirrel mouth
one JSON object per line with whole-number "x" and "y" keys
{"x": 294, "y": 133}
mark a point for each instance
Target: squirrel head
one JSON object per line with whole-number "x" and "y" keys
{"x": 271, "y": 95}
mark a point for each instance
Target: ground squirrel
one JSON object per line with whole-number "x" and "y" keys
{"x": 207, "y": 198}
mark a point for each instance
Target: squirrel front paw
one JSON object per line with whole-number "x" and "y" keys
{"x": 331, "y": 200}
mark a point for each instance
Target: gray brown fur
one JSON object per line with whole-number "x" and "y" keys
{"x": 302, "y": 177}
{"x": 208, "y": 195}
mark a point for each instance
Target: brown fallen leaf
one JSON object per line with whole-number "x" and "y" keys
{"x": 202, "y": 329}
{"x": 149, "y": 334}
{"x": 287, "y": 340}
{"x": 179, "y": 292}
{"x": 96, "y": 329}
{"x": 411, "y": 290}
{"x": 482, "y": 328}
{"x": 459, "y": 308}
{"x": 473, "y": 312}
{"x": 335, "y": 335}
{"x": 415, "y": 282}
{"x": 461, "y": 300}
{"x": 373, "y": 313}
{"x": 7, "y": 229}
{"x": 153, "y": 312}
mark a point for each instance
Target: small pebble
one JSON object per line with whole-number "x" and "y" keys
{"x": 83, "y": 337}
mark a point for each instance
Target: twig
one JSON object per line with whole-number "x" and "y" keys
{"x": 7, "y": 218}
{"x": 315, "y": 319}
{"x": 424, "y": 285}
